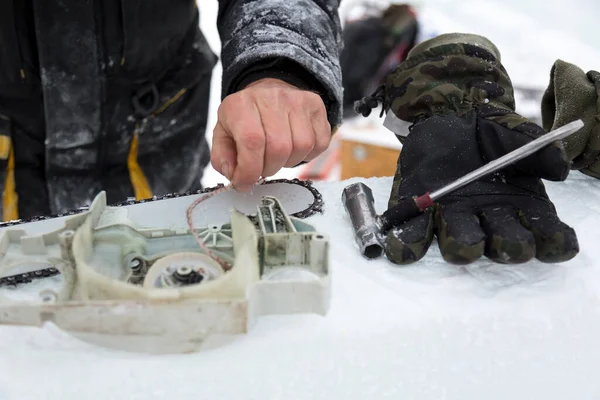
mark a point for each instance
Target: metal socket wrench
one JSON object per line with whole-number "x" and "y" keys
{"x": 360, "y": 206}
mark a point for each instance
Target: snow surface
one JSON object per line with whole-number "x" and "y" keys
{"x": 427, "y": 331}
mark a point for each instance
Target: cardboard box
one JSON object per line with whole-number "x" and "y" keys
{"x": 367, "y": 150}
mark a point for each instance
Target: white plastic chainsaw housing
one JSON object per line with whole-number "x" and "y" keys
{"x": 106, "y": 280}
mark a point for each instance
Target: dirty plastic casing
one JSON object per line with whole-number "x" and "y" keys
{"x": 279, "y": 265}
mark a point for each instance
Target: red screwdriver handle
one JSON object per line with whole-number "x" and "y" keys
{"x": 423, "y": 202}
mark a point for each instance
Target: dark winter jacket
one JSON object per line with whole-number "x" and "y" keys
{"x": 113, "y": 95}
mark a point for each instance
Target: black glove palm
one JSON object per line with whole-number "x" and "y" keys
{"x": 506, "y": 216}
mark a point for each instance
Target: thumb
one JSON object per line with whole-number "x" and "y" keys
{"x": 548, "y": 163}
{"x": 223, "y": 154}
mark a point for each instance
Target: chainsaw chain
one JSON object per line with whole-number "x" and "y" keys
{"x": 315, "y": 207}
{"x": 28, "y": 277}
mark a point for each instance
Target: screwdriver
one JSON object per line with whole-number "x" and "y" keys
{"x": 410, "y": 208}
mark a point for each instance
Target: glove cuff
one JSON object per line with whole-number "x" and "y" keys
{"x": 444, "y": 76}
{"x": 572, "y": 94}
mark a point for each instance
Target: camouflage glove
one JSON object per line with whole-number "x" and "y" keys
{"x": 572, "y": 94}
{"x": 507, "y": 216}
{"x": 459, "y": 98}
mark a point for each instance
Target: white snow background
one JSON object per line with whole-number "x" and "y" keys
{"x": 427, "y": 331}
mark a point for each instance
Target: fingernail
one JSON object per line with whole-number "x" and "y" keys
{"x": 243, "y": 188}
{"x": 225, "y": 169}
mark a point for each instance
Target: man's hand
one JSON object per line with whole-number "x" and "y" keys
{"x": 268, "y": 125}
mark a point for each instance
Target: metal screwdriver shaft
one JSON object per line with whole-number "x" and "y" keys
{"x": 411, "y": 207}
{"x": 509, "y": 158}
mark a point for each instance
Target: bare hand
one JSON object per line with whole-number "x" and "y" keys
{"x": 268, "y": 125}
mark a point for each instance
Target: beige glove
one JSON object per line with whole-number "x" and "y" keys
{"x": 572, "y": 94}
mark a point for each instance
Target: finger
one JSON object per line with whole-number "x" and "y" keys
{"x": 322, "y": 132}
{"x": 303, "y": 137}
{"x": 409, "y": 242}
{"x": 548, "y": 163}
{"x": 241, "y": 120}
{"x": 223, "y": 154}
{"x": 555, "y": 241}
{"x": 278, "y": 140}
{"x": 459, "y": 233}
{"x": 507, "y": 241}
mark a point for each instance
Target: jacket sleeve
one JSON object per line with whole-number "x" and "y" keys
{"x": 302, "y": 36}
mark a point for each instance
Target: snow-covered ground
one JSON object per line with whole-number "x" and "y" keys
{"x": 428, "y": 331}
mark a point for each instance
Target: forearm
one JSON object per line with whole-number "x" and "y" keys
{"x": 296, "y": 41}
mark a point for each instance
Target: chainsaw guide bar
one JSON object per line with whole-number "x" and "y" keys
{"x": 314, "y": 208}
